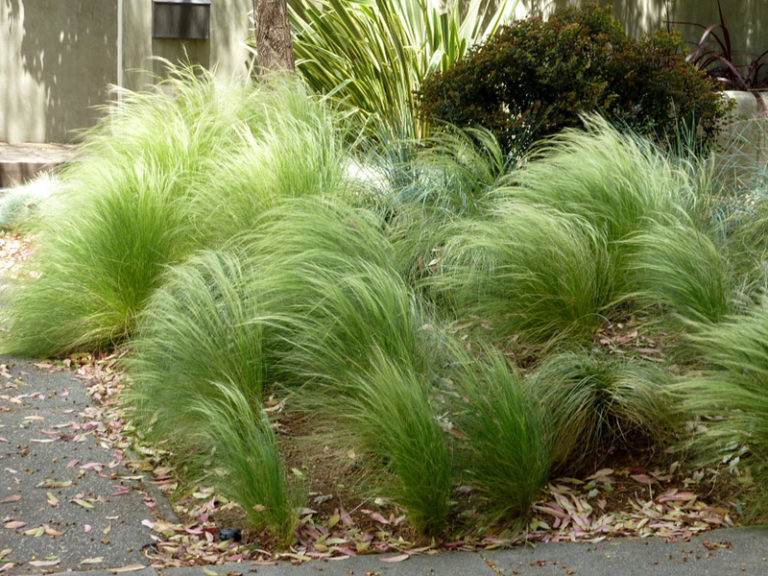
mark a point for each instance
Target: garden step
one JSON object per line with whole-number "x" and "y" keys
{"x": 20, "y": 163}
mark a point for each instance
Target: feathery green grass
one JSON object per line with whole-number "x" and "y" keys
{"x": 239, "y": 448}
{"x": 388, "y": 408}
{"x": 505, "y": 445}
{"x": 147, "y": 190}
{"x": 529, "y": 271}
{"x": 675, "y": 264}
{"x": 732, "y": 392}
{"x": 614, "y": 180}
{"x": 198, "y": 330}
{"x": 596, "y": 402}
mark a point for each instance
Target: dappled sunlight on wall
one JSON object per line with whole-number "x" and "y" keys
{"x": 69, "y": 49}
{"x": 22, "y": 115}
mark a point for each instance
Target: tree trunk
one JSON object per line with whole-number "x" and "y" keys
{"x": 273, "y": 35}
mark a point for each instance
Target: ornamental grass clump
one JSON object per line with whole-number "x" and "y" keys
{"x": 388, "y": 409}
{"x": 598, "y": 403}
{"x": 294, "y": 151}
{"x": 324, "y": 280}
{"x": 504, "y": 446}
{"x": 237, "y": 447}
{"x": 199, "y": 330}
{"x": 142, "y": 196}
{"x": 675, "y": 264}
{"x": 732, "y": 393}
{"x": 527, "y": 271}
{"x": 615, "y": 180}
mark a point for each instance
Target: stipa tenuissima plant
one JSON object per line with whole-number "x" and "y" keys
{"x": 596, "y": 402}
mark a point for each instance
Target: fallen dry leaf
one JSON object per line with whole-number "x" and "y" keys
{"x": 398, "y": 558}
{"x": 128, "y": 568}
{"x": 44, "y": 563}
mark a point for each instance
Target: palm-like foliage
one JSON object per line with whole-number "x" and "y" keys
{"x": 372, "y": 55}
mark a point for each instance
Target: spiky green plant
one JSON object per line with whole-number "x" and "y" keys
{"x": 236, "y": 443}
{"x": 372, "y": 55}
{"x": 505, "y": 443}
{"x": 597, "y": 402}
{"x": 528, "y": 271}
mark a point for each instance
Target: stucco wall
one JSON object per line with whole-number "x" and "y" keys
{"x": 746, "y": 19}
{"x": 224, "y": 50}
{"x": 58, "y": 59}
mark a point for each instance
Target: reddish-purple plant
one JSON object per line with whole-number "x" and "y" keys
{"x": 714, "y": 55}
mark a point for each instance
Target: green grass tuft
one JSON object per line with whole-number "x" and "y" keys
{"x": 240, "y": 449}
{"x": 155, "y": 181}
{"x": 505, "y": 439}
{"x": 597, "y": 403}
{"x": 388, "y": 408}
{"x": 528, "y": 271}
{"x": 613, "y": 180}
{"x": 676, "y": 265}
{"x": 198, "y": 330}
{"x": 732, "y": 392}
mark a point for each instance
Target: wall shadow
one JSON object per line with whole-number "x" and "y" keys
{"x": 70, "y": 48}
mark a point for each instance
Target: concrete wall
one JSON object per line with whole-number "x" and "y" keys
{"x": 224, "y": 50}
{"x": 58, "y": 59}
{"x": 747, "y": 20}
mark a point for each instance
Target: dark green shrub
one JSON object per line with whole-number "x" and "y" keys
{"x": 534, "y": 78}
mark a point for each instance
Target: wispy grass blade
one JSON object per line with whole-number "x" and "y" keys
{"x": 732, "y": 392}
{"x": 388, "y": 407}
{"x": 241, "y": 451}
{"x": 157, "y": 179}
{"x": 674, "y": 264}
{"x": 614, "y": 180}
{"x": 198, "y": 329}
